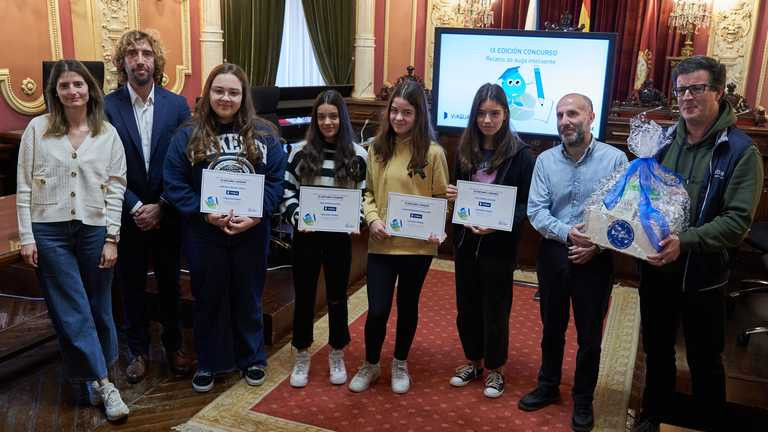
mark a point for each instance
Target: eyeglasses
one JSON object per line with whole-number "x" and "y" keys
{"x": 696, "y": 89}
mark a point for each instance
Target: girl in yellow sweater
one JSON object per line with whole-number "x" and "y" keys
{"x": 404, "y": 158}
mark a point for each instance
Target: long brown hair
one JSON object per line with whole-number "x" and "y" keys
{"x": 204, "y": 139}
{"x": 345, "y": 164}
{"x": 505, "y": 141}
{"x": 128, "y": 40}
{"x": 421, "y": 134}
{"x": 57, "y": 121}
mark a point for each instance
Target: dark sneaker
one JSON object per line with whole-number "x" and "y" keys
{"x": 466, "y": 374}
{"x": 539, "y": 398}
{"x": 583, "y": 418}
{"x": 202, "y": 382}
{"x": 645, "y": 424}
{"x": 136, "y": 370}
{"x": 494, "y": 385}
{"x": 255, "y": 375}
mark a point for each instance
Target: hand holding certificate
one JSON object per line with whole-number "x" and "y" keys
{"x": 225, "y": 191}
{"x": 415, "y": 216}
{"x": 329, "y": 209}
{"x": 485, "y": 205}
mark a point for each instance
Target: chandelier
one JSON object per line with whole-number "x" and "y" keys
{"x": 688, "y": 16}
{"x": 475, "y": 13}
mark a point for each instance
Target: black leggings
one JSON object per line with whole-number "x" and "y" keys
{"x": 383, "y": 270}
{"x": 333, "y": 252}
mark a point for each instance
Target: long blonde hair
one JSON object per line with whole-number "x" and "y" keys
{"x": 57, "y": 121}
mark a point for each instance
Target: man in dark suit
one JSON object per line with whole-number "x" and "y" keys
{"x": 146, "y": 116}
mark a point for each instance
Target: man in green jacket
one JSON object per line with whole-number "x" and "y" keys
{"x": 722, "y": 172}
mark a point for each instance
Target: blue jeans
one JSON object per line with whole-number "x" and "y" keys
{"x": 228, "y": 275}
{"x": 79, "y": 296}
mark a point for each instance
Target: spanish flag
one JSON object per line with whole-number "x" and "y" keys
{"x": 584, "y": 14}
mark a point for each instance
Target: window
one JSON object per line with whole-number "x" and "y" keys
{"x": 298, "y": 65}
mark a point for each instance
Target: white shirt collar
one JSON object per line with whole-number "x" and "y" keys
{"x": 135, "y": 96}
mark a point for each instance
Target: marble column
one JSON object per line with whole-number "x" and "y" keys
{"x": 364, "y": 45}
{"x": 211, "y": 37}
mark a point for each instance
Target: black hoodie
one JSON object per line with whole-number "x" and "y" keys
{"x": 516, "y": 170}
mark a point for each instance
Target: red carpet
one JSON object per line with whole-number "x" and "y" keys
{"x": 432, "y": 404}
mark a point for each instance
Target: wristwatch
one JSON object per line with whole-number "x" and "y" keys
{"x": 112, "y": 238}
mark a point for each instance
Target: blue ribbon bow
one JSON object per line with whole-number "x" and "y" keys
{"x": 646, "y": 170}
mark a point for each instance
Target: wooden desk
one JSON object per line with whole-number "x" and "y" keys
{"x": 9, "y": 232}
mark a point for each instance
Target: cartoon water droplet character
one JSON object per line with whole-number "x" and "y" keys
{"x": 309, "y": 219}
{"x": 463, "y": 213}
{"x": 212, "y": 202}
{"x": 396, "y": 224}
{"x": 513, "y": 84}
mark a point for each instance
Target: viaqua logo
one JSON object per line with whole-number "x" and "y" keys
{"x": 310, "y": 219}
{"x": 464, "y": 213}
{"x": 212, "y": 202}
{"x": 396, "y": 225}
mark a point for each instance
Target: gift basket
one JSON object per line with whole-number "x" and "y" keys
{"x": 635, "y": 208}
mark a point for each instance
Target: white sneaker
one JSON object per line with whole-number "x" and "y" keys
{"x": 113, "y": 403}
{"x": 300, "y": 373}
{"x": 338, "y": 370}
{"x": 365, "y": 376}
{"x": 494, "y": 385}
{"x": 401, "y": 380}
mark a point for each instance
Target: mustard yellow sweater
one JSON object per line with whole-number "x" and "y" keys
{"x": 393, "y": 177}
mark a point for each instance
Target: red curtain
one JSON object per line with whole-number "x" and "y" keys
{"x": 510, "y": 14}
{"x": 622, "y": 17}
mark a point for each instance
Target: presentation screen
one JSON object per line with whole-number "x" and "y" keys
{"x": 534, "y": 68}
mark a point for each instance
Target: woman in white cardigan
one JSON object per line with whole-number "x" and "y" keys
{"x": 69, "y": 196}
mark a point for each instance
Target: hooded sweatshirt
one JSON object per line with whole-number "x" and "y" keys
{"x": 740, "y": 198}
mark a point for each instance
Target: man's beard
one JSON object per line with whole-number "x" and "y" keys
{"x": 576, "y": 140}
{"x": 142, "y": 81}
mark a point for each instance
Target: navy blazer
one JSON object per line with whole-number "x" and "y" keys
{"x": 170, "y": 111}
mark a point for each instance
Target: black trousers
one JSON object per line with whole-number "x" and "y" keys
{"x": 332, "y": 251}
{"x": 228, "y": 274}
{"x": 483, "y": 304}
{"x": 383, "y": 270}
{"x": 586, "y": 287}
{"x": 663, "y": 306}
{"x": 161, "y": 247}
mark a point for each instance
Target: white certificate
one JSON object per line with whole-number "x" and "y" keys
{"x": 415, "y": 216}
{"x": 222, "y": 191}
{"x": 329, "y": 209}
{"x": 485, "y": 205}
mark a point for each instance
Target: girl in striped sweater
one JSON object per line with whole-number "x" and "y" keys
{"x": 328, "y": 157}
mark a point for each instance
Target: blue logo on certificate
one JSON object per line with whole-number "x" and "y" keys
{"x": 464, "y": 213}
{"x": 212, "y": 202}
{"x": 396, "y": 225}
{"x": 620, "y": 234}
{"x": 233, "y": 192}
{"x": 310, "y": 219}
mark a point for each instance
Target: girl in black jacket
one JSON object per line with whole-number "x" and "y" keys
{"x": 489, "y": 152}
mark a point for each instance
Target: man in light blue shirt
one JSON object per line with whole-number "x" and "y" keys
{"x": 570, "y": 268}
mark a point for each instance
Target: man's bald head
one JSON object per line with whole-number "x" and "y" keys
{"x": 576, "y": 97}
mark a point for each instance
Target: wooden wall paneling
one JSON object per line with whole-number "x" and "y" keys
{"x": 21, "y": 80}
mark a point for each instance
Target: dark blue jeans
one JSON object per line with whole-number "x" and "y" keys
{"x": 228, "y": 275}
{"x": 79, "y": 296}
